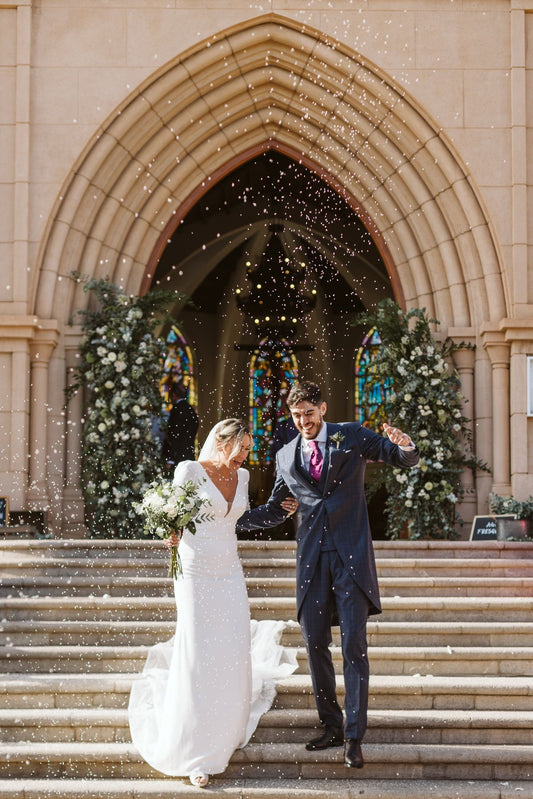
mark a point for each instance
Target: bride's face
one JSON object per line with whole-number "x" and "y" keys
{"x": 235, "y": 460}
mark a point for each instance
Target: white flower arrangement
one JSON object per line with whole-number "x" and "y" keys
{"x": 426, "y": 397}
{"x": 119, "y": 371}
{"x": 168, "y": 508}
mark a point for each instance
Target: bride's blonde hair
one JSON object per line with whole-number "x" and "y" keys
{"x": 231, "y": 430}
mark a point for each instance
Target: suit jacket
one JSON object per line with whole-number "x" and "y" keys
{"x": 336, "y": 504}
{"x": 181, "y": 432}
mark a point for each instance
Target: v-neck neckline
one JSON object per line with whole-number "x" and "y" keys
{"x": 228, "y": 502}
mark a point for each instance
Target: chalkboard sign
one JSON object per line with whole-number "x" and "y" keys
{"x": 484, "y": 527}
{"x": 4, "y": 511}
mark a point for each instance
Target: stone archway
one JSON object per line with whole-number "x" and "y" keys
{"x": 271, "y": 83}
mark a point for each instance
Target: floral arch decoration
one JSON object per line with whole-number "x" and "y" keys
{"x": 273, "y": 371}
{"x": 369, "y": 399}
{"x": 178, "y": 365}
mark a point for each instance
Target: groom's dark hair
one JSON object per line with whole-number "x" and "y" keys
{"x": 304, "y": 392}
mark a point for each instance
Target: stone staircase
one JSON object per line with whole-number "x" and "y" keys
{"x": 451, "y": 695}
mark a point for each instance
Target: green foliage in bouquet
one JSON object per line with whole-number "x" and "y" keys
{"x": 168, "y": 508}
{"x": 424, "y": 401}
{"x": 120, "y": 366}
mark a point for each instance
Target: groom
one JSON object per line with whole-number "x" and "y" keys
{"x": 336, "y": 580}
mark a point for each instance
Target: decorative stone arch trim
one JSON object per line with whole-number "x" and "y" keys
{"x": 272, "y": 82}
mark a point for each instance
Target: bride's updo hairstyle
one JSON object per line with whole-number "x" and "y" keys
{"x": 231, "y": 430}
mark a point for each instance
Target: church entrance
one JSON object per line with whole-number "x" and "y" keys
{"x": 276, "y": 265}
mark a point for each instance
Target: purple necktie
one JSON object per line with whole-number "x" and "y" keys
{"x": 316, "y": 461}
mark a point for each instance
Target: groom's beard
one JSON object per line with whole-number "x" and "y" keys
{"x": 313, "y": 430}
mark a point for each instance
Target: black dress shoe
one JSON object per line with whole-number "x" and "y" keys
{"x": 353, "y": 755}
{"x": 332, "y": 736}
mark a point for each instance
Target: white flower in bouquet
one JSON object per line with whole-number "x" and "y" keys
{"x": 169, "y": 508}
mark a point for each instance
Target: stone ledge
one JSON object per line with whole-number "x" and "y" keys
{"x": 391, "y": 661}
{"x": 220, "y": 788}
{"x": 393, "y": 761}
{"x": 389, "y": 549}
{"x": 281, "y": 718}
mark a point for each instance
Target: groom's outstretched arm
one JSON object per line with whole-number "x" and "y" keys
{"x": 268, "y": 515}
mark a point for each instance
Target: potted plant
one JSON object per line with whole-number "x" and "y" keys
{"x": 512, "y": 529}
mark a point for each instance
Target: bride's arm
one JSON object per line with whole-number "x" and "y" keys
{"x": 183, "y": 472}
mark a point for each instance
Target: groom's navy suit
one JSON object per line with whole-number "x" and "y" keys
{"x": 336, "y": 580}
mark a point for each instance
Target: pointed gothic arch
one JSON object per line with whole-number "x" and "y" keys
{"x": 274, "y": 83}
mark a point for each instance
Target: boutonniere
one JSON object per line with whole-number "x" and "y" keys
{"x": 338, "y": 438}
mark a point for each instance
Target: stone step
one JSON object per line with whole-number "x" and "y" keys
{"x": 119, "y": 547}
{"x": 404, "y": 660}
{"x": 275, "y": 788}
{"x": 450, "y": 693}
{"x": 134, "y": 548}
{"x": 259, "y": 564}
{"x": 280, "y": 760}
{"x": 109, "y": 608}
{"x": 83, "y": 585}
{"x": 416, "y": 692}
{"x": 112, "y": 569}
{"x": 75, "y": 553}
{"x": 100, "y": 725}
{"x": 87, "y": 632}
{"x": 465, "y": 568}
{"x": 421, "y": 692}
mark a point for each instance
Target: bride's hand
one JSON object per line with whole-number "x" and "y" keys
{"x": 173, "y": 540}
{"x": 290, "y": 505}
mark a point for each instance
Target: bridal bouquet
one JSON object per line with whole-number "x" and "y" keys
{"x": 169, "y": 508}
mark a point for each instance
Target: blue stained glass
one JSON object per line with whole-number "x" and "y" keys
{"x": 271, "y": 377}
{"x": 178, "y": 364}
{"x": 369, "y": 402}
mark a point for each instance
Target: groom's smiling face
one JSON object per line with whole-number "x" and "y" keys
{"x": 308, "y": 418}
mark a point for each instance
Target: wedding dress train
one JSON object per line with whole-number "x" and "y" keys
{"x": 201, "y": 694}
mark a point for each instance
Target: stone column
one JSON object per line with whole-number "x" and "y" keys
{"x": 16, "y": 333}
{"x": 464, "y": 360}
{"x": 73, "y": 504}
{"x": 498, "y": 350}
{"x": 41, "y": 348}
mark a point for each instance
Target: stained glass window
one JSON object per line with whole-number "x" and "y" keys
{"x": 178, "y": 365}
{"x": 369, "y": 399}
{"x": 272, "y": 374}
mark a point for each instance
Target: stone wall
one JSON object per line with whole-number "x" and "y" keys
{"x": 115, "y": 115}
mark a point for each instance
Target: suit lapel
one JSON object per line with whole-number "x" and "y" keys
{"x": 291, "y": 460}
{"x": 333, "y": 451}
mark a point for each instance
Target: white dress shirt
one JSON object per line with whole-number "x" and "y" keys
{"x": 306, "y": 450}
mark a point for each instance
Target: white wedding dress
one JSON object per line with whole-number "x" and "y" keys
{"x": 201, "y": 694}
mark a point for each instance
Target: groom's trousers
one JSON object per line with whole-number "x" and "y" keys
{"x": 332, "y": 588}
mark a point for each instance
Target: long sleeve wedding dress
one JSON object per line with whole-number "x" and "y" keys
{"x": 201, "y": 694}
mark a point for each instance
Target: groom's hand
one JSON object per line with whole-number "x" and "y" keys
{"x": 290, "y": 505}
{"x": 397, "y": 437}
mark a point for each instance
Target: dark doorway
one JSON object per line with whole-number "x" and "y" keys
{"x": 272, "y": 253}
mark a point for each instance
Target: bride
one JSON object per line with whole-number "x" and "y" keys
{"x": 201, "y": 694}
